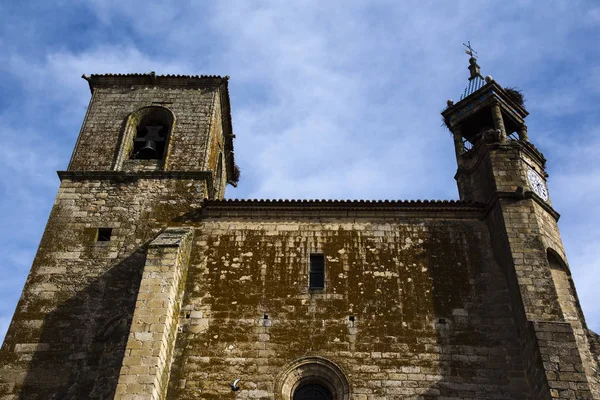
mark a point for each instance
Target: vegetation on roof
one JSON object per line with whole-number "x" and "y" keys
{"x": 515, "y": 95}
{"x": 236, "y": 173}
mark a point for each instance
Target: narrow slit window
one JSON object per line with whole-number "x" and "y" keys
{"x": 317, "y": 271}
{"x": 104, "y": 234}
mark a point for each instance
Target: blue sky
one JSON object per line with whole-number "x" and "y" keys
{"x": 330, "y": 99}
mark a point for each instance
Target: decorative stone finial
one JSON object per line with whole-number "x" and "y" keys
{"x": 450, "y": 102}
{"x": 488, "y": 79}
{"x": 474, "y": 68}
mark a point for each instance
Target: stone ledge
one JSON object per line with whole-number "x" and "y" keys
{"x": 528, "y": 194}
{"x": 132, "y": 176}
{"x": 478, "y": 154}
{"x": 171, "y": 237}
{"x": 383, "y": 209}
{"x": 151, "y": 79}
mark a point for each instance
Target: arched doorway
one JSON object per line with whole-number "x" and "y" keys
{"x": 312, "y": 391}
{"x": 312, "y": 378}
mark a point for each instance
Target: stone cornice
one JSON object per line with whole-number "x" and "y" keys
{"x": 381, "y": 209}
{"x": 132, "y": 176}
{"x": 479, "y": 154}
{"x": 521, "y": 195}
{"x": 151, "y": 79}
{"x": 492, "y": 92}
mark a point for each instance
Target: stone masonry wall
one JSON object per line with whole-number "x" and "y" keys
{"x": 68, "y": 334}
{"x": 148, "y": 354}
{"x": 474, "y": 177}
{"x": 432, "y": 316}
{"x": 100, "y": 138}
{"x": 522, "y": 231}
{"x": 529, "y": 260}
{"x": 567, "y": 296}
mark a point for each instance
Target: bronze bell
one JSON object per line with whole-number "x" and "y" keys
{"x": 148, "y": 152}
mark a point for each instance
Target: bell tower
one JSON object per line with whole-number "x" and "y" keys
{"x": 150, "y": 150}
{"x": 488, "y": 114}
{"x": 144, "y": 124}
{"x": 499, "y": 167}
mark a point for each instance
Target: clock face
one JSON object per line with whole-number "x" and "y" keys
{"x": 537, "y": 184}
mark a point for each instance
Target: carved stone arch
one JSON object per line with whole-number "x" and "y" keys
{"x": 556, "y": 260}
{"x": 312, "y": 371}
{"x": 135, "y": 123}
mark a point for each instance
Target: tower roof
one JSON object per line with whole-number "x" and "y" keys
{"x": 476, "y": 81}
{"x": 474, "y": 85}
{"x": 469, "y": 113}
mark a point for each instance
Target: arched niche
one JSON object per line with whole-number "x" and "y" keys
{"x": 219, "y": 184}
{"x": 312, "y": 373}
{"x": 145, "y": 140}
{"x": 561, "y": 276}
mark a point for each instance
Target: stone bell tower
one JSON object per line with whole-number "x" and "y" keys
{"x": 499, "y": 167}
{"x": 151, "y": 148}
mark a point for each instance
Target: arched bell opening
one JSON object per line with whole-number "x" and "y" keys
{"x": 152, "y": 131}
{"x": 145, "y": 140}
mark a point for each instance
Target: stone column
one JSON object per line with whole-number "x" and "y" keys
{"x": 459, "y": 147}
{"x": 523, "y": 133}
{"x": 498, "y": 121}
{"x": 148, "y": 355}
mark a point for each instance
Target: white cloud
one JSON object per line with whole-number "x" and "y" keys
{"x": 593, "y": 16}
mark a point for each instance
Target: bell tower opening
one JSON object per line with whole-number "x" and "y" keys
{"x": 312, "y": 391}
{"x": 151, "y": 135}
{"x": 145, "y": 140}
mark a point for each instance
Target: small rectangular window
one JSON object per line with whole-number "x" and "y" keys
{"x": 317, "y": 271}
{"x": 104, "y": 234}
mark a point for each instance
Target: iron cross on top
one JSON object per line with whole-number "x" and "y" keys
{"x": 470, "y": 50}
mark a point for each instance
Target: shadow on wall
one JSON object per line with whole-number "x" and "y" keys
{"x": 479, "y": 356}
{"x": 84, "y": 338}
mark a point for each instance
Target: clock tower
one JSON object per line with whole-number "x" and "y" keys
{"x": 499, "y": 167}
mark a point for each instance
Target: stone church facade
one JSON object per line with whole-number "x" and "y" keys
{"x": 149, "y": 285}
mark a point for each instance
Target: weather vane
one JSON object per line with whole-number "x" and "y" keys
{"x": 470, "y": 50}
